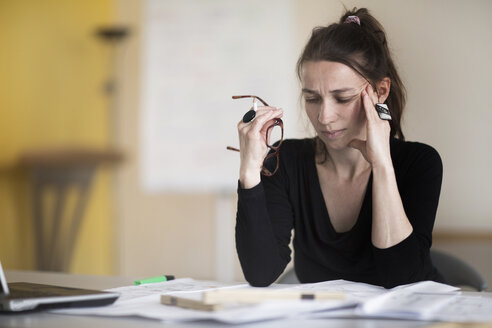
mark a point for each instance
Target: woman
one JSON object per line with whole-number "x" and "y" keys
{"x": 361, "y": 201}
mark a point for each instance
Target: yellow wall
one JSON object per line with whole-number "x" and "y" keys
{"x": 52, "y": 71}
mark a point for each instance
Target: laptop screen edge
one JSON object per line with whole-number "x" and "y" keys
{"x": 32, "y": 303}
{"x": 4, "y": 288}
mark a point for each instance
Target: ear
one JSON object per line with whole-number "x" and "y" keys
{"x": 383, "y": 89}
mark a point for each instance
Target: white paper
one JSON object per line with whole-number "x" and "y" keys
{"x": 427, "y": 287}
{"x": 178, "y": 285}
{"x": 420, "y": 301}
{"x": 353, "y": 290}
{"x": 443, "y": 304}
{"x": 406, "y": 305}
{"x": 467, "y": 308}
{"x": 144, "y": 301}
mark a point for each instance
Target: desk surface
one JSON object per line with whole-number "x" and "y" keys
{"x": 44, "y": 319}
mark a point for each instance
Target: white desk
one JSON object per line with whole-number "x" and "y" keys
{"x": 44, "y": 319}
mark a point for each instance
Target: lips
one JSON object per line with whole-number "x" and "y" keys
{"x": 333, "y": 133}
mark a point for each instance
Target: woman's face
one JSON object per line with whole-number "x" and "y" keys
{"x": 333, "y": 102}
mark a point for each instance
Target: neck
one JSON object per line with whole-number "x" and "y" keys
{"x": 346, "y": 163}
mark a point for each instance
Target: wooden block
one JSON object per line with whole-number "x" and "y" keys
{"x": 259, "y": 295}
{"x": 189, "y": 303}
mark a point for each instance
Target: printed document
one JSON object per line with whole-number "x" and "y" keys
{"x": 420, "y": 301}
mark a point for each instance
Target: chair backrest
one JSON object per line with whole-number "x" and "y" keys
{"x": 457, "y": 272}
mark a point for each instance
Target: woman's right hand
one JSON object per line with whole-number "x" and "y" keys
{"x": 253, "y": 148}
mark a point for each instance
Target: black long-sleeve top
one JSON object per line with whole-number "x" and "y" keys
{"x": 292, "y": 200}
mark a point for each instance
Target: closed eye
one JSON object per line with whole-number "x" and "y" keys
{"x": 312, "y": 100}
{"x": 345, "y": 100}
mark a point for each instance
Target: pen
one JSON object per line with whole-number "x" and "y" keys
{"x": 153, "y": 280}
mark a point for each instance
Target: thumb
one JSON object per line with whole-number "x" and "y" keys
{"x": 358, "y": 144}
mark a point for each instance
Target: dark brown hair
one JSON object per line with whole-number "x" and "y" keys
{"x": 363, "y": 48}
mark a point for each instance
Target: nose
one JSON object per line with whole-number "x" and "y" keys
{"x": 327, "y": 113}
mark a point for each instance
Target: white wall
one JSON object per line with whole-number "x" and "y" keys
{"x": 443, "y": 51}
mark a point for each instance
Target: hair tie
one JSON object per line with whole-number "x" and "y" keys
{"x": 352, "y": 19}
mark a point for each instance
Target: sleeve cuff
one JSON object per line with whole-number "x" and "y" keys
{"x": 251, "y": 191}
{"x": 403, "y": 251}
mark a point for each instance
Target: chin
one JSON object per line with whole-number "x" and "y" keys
{"x": 337, "y": 144}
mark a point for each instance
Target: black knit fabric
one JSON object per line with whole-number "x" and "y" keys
{"x": 292, "y": 200}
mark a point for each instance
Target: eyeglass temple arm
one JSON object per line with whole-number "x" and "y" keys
{"x": 251, "y": 96}
{"x": 232, "y": 148}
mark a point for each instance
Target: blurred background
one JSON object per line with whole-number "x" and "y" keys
{"x": 115, "y": 115}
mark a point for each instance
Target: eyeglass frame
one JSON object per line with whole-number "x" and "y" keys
{"x": 275, "y": 149}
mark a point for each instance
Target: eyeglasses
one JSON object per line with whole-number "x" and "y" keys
{"x": 277, "y": 124}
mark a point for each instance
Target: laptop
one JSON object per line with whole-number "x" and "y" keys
{"x": 23, "y": 296}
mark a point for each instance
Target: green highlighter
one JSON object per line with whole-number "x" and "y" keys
{"x": 153, "y": 280}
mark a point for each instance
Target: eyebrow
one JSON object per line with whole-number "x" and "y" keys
{"x": 342, "y": 90}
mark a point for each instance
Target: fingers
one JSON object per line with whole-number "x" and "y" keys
{"x": 260, "y": 126}
{"x": 263, "y": 115}
{"x": 252, "y": 140}
{"x": 360, "y": 145}
{"x": 369, "y": 103}
{"x": 260, "y": 111}
{"x": 252, "y": 135}
{"x": 357, "y": 144}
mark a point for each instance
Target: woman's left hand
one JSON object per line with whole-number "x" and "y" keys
{"x": 376, "y": 148}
